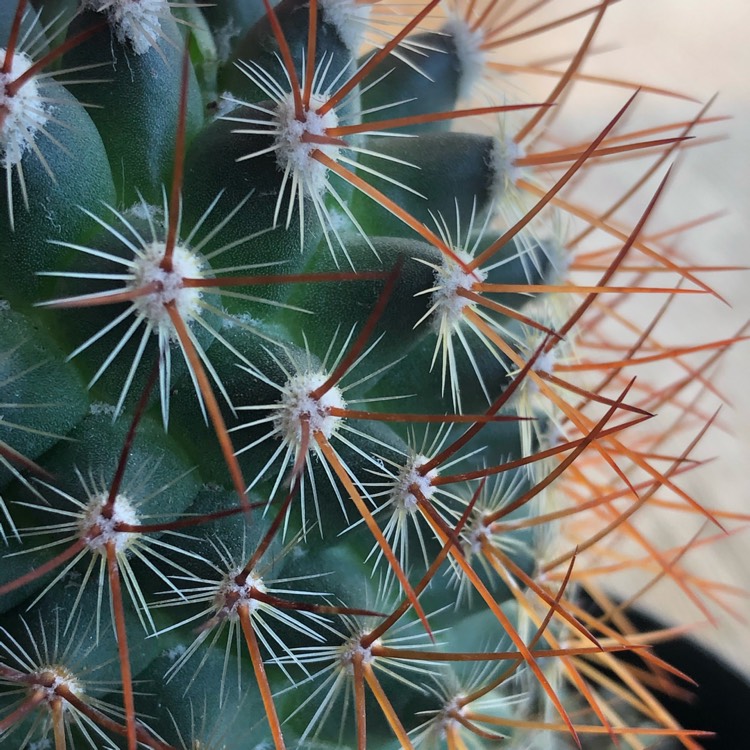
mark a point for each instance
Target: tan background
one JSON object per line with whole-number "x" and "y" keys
{"x": 701, "y": 47}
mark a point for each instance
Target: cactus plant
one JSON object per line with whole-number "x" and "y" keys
{"x": 315, "y": 430}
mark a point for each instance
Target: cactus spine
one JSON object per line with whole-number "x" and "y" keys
{"x": 315, "y": 433}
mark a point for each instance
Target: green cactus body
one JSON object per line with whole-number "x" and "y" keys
{"x": 291, "y": 417}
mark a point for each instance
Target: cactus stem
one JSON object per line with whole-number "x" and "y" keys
{"x": 390, "y": 205}
{"x": 455, "y": 513}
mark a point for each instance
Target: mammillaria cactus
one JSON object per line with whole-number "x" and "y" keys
{"x": 322, "y": 402}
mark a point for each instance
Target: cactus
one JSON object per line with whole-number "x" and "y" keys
{"x": 320, "y": 411}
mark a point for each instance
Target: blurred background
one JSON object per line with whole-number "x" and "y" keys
{"x": 697, "y": 48}
{"x": 700, "y": 48}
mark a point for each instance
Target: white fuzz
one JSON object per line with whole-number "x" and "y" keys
{"x": 147, "y": 270}
{"x": 99, "y": 407}
{"x": 531, "y": 401}
{"x": 230, "y": 595}
{"x": 447, "y": 719}
{"x": 97, "y": 530}
{"x": 353, "y": 647}
{"x": 298, "y": 406}
{"x": 447, "y": 304}
{"x": 295, "y": 154}
{"x": 52, "y": 678}
{"x": 349, "y": 18}
{"x": 175, "y": 652}
{"x": 545, "y": 363}
{"x": 225, "y": 37}
{"x": 25, "y": 113}
{"x": 446, "y": 313}
{"x": 477, "y": 534}
{"x": 504, "y": 163}
{"x": 401, "y": 497}
{"x": 472, "y": 59}
{"x": 134, "y": 21}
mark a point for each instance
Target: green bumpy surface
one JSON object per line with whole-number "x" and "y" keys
{"x": 337, "y": 357}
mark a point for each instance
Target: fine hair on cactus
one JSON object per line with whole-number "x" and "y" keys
{"x": 331, "y": 395}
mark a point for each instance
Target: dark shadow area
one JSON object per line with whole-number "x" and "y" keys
{"x": 721, "y": 696}
{"x": 721, "y": 702}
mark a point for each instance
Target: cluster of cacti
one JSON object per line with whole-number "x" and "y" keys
{"x": 311, "y": 435}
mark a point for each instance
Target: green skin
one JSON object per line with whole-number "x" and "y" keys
{"x": 323, "y": 556}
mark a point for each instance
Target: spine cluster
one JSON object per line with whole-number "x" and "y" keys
{"x": 328, "y": 407}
